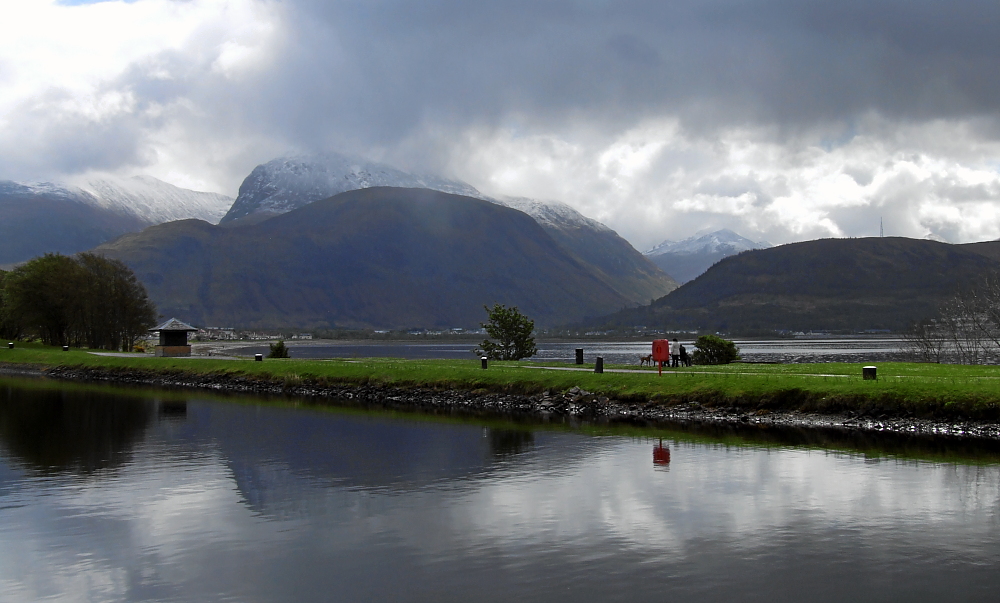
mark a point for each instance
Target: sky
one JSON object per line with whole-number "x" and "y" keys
{"x": 784, "y": 120}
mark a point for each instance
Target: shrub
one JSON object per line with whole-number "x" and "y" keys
{"x": 278, "y": 350}
{"x": 512, "y": 332}
{"x": 712, "y": 349}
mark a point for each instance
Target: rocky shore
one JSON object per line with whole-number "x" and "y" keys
{"x": 574, "y": 405}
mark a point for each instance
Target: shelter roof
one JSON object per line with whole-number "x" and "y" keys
{"x": 174, "y": 325}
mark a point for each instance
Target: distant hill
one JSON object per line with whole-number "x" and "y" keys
{"x": 829, "y": 284}
{"x": 686, "y": 260}
{"x": 378, "y": 257}
{"x": 288, "y": 183}
{"x": 37, "y": 218}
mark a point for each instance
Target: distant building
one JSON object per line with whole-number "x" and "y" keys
{"x": 173, "y": 338}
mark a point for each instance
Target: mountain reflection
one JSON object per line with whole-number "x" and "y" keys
{"x": 75, "y": 431}
{"x": 509, "y": 442}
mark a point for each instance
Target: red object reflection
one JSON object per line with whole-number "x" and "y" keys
{"x": 661, "y": 454}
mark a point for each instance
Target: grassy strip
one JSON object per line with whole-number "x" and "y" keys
{"x": 903, "y": 389}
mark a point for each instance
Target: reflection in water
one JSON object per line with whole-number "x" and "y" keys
{"x": 661, "y": 455}
{"x": 82, "y": 432}
{"x": 264, "y": 502}
{"x": 173, "y": 410}
{"x": 508, "y": 442}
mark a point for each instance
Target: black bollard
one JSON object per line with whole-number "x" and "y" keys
{"x": 258, "y": 357}
{"x": 484, "y": 362}
{"x": 10, "y": 345}
{"x": 869, "y": 373}
{"x": 599, "y": 364}
{"x": 579, "y": 355}
{"x": 65, "y": 348}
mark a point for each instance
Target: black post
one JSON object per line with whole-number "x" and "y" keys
{"x": 869, "y": 373}
{"x": 484, "y": 362}
{"x": 10, "y": 345}
{"x": 599, "y": 365}
{"x": 579, "y": 355}
{"x": 65, "y": 348}
{"x": 258, "y": 357}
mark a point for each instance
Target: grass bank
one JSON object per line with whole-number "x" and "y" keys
{"x": 902, "y": 390}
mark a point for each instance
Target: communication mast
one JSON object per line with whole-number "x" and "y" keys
{"x": 881, "y": 232}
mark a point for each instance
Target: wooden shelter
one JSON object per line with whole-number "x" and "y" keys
{"x": 173, "y": 338}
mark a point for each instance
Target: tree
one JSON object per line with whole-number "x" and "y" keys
{"x": 278, "y": 350}
{"x": 712, "y": 349}
{"x": 43, "y": 295}
{"x": 86, "y": 300}
{"x": 117, "y": 309}
{"x": 512, "y": 332}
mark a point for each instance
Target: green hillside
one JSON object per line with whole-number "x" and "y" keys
{"x": 377, "y": 257}
{"x": 829, "y": 284}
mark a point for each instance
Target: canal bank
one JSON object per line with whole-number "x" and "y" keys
{"x": 546, "y": 400}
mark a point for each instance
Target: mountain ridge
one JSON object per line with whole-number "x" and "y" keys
{"x": 827, "y": 284}
{"x": 379, "y": 257}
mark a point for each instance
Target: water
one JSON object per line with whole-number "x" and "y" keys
{"x": 132, "y": 495}
{"x": 841, "y": 349}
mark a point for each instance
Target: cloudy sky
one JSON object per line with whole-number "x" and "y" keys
{"x": 781, "y": 119}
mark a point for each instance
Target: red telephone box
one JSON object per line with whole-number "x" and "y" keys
{"x": 661, "y": 352}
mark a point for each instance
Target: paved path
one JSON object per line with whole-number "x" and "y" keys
{"x": 673, "y": 372}
{"x": 132, "y": 355}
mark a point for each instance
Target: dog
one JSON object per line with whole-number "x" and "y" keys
{"x": 643, "y": 360}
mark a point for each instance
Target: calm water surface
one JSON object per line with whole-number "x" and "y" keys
{"x": 614, "y": 352}
{"x": 133, "y": 495}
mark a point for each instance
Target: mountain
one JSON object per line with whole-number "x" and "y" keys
{"x": 154, "y": 201}
{"x": 36, "y": 218}
{"x": 687, "y": 259}
{"x": 376, "y": 257}
{"x": 39, "y": 219}
{"x": 284, "y": 184}
{"x": 829, "y": 284}
{"x": 288, "y": 183}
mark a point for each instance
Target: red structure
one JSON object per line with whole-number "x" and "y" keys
{"x": 661, "y": 353}
{"x": 661, "y": 454}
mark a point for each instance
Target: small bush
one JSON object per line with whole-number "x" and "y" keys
{"x": 278, "y": 350}
{"x": 712, "y": 349}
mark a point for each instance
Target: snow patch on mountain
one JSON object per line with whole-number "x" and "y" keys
{"x": 554, "y": 214}
{"x": 722, "y": 241}
{"x": 287, "y": 183}
{"x": 143, "y": 197}
{"x": 153, "y": 200}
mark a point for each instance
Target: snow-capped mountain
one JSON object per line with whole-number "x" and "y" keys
{"x": 153, "y": 200}
{"x": 721, "y": 241}
{"x": 287, "y": 183}
{"x": 686, "y": 260}
{"x": 68, "y": 217}
{"x": 143, "y": 197}
{"x": 555, "y": 214}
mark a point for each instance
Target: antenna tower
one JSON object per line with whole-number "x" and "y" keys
{"x": 881, "y": 232}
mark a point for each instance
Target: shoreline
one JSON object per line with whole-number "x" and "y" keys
{"x": 574, "y": 404}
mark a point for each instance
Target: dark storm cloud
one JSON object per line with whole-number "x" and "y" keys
{"x": 393, "y": 65}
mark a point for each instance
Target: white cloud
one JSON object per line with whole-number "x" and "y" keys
{"x": 656, "y": 120}
{"x": 657, "y": 181}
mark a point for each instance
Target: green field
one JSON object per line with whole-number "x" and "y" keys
{"x": 903, "y": 389}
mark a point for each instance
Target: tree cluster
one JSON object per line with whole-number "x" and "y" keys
{"x": 966, "y": 329}
{"x": 712, "y": 349}
{"x": 85, "y": 300}
{"x": 511, "y": 331}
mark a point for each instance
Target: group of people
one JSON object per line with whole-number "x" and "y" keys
{"x": 678, "y": 354}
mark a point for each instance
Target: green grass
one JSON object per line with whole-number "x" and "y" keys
{"x": 902, "y": 388}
